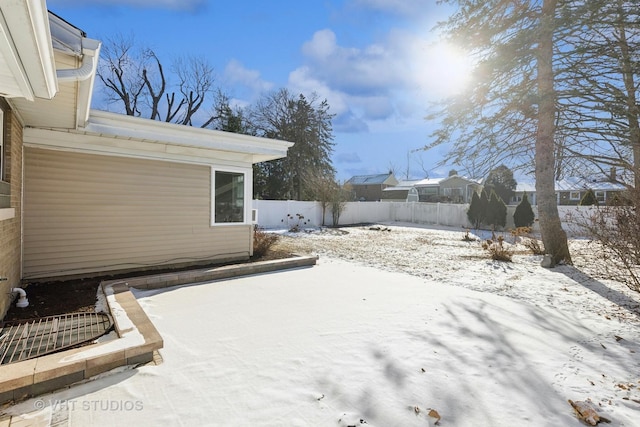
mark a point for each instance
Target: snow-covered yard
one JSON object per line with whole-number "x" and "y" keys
{"x": 388, "y": 328}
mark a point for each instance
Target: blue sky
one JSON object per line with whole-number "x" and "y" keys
{"x": 377, "y": 62}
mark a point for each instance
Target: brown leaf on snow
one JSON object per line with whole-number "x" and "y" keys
{"x": 586, "y": 413}
{"x": 434, "y": 414}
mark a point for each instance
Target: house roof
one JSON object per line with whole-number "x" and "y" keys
{"x": 574, "y": 184}
{"x": 48, "y": 68}
{"x": 121, "y": 135}
{"x": 403, "y": 185}
{"x": 429, "y": 182}
{"x": 436, "y": 182}
{"x": 54, "y": 58}
{"x": 26, "y": 53}
{"x": 369, "y": 179}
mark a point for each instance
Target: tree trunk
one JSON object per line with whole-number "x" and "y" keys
{"x": 630, "y": 87}
{"x": 553, "y": 236}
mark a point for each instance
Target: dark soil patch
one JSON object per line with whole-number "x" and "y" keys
{"x": 53, "y": 298}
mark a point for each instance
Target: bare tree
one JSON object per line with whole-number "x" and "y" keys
{"x": 196, "y": 80}
{"x": 120, "y": 72}
{"x": 137, "y": 80}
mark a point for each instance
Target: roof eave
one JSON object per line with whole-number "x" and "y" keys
{"x": 120, "y": 135}
{"x": 26, "y": 43}
{"x": 123, "y": 126}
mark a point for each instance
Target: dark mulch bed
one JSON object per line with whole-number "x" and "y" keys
{"x": 73, "y": 296}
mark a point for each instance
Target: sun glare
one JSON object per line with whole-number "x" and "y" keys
{"x": 443, "y": 70}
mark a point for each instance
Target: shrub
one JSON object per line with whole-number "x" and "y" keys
{"x": 497, "y": 250}
{"x": 524, "y": 216}
{"x": 617, "y": 230}
{"x": 295, "y": 221}
{"x": 467, "y": 237}
{"x": 589, "y": 198}
{"x": 262, "y": 242}
{"x": 476, "y": 211}
{"x": 534, "y": 246}
{"x": 496, "y": 211}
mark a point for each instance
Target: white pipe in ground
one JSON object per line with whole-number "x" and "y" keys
{"x": 22, "y": 300}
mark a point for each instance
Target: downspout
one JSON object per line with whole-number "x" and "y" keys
{"x": 90, "y": 50}
{"x": 22, "y": 300}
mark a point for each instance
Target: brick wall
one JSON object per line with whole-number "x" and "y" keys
{"x": 10, "y": 240}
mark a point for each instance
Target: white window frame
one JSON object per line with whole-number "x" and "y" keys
{"x": 571, "y": 195}
{"x": 248, "y": 196}
{"x": 601, "y": 196}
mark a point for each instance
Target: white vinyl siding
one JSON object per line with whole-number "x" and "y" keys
{"x": 95, "y": 213}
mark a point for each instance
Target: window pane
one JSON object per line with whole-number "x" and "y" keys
{"x": 229, "y": 197}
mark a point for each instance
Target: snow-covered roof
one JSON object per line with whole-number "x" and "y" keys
{"x": 429, "y": 182}
{"x": 574, "y": 184}
{"x": 435, "y": 182}
{"x": 403, "y": 185}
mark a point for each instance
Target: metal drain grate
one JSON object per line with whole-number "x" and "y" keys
{"x": 26, "y": 340}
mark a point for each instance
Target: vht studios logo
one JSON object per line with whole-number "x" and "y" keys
{"x": 105, "y": 405}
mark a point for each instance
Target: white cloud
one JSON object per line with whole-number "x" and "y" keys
{"x": 390, "y": 80}
{"x": 236, "y": 74}
{"x": 368, "y": 70}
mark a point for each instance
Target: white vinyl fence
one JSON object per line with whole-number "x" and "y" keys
{"x": 276, "y": 214}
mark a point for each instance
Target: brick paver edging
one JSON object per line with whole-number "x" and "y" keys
{"x": 138, "y": 338}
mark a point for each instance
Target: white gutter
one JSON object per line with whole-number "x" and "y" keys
{"x": 90, "y": 53}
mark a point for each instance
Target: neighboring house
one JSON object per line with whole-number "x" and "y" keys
{"x": 103, "y": 192}
{"x": 570, "y": 191}
{"x": 521, "y": 189}
{"x": 367, "y": 188}
{"x": 405, "y": 191}
{"x": 452, "y": 189}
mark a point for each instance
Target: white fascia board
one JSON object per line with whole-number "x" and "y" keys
{"x": 26, "y": 27}
{"x": 136, "y": 128}
{"x": 69, "y": 140}
{"x": 40, "y": 19}
{"x": 19, "y": 87}
{"x": 74, "y": 141}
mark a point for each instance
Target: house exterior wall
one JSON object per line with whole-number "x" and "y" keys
{"x": 10, "y": 219}
{"x": 369, "y": 192}
{"x": 87, "y": 214}
{"x": 456, "y": 189}
{"x": 569, "y": 198}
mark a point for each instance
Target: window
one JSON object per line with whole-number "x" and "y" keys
{"x": 574, "y": 195}
{"x": 229, "y": 197}
{"x": 600, "y": 196}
